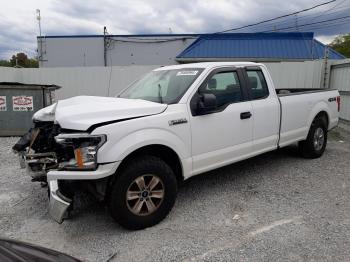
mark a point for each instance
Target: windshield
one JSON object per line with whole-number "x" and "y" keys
{"x": 163, "y": 86}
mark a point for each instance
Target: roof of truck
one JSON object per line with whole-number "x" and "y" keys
{"x": 207, "y": 65}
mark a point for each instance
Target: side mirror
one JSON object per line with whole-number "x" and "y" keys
{"x": 206, "y": 104}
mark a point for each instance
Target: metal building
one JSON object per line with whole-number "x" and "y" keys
{"x": 257, "y": 47}
{"x": 115, "y": 50}
{"x": 165, "y": 49}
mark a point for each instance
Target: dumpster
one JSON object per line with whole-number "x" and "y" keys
{"x": 19, "y": 102}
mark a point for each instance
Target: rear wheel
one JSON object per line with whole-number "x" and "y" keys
{"x": 316, "y": 141}
{"x": 143, "y": 193}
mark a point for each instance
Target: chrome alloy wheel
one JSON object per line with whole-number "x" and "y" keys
{"x": 318, "y": 139}
{"x": 145, "y": 194}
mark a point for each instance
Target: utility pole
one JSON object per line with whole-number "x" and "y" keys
{"x": 325, "y": 73}
{"x": 296, "y": 23}
{"x": 38, "y": 17}
{"x": 105, "y": 45}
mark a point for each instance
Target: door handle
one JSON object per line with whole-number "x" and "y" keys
{"x": 246, "y": 115}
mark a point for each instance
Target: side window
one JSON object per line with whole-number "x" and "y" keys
{"x": 225, "y": 86}
{"x": 257, "y": 84}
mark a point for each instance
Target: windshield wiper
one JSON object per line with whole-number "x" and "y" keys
{"x": 160, "y": 94}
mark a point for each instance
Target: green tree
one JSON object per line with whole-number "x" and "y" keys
{"x": 341, "y": 44}
{"x": 5, "y": 63}
{"x": 21, "y": 60}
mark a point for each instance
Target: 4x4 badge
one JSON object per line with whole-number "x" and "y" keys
{"x": 177, "y": 121}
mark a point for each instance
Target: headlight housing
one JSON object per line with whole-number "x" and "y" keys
{"x": 84, "y": 147}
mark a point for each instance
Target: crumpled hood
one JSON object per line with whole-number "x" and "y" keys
{"x": 81, "y": 112}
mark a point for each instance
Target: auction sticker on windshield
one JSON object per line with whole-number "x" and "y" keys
{"x": 22, "y": 103}
{"x": 3, "y": 103}
{"x": 187, "y": 73}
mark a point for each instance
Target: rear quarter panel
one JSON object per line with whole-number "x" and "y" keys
{"x": 299, "y": 110}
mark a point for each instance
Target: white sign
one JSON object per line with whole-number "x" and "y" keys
{"x": 22, "y": 103}
{"x": 187, "y": 73}
{"x": 3, "y": 103}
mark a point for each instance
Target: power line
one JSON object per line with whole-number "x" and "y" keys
{"x": 315, "y": 27}
{"x": 276, "y": 18}
{"x": 159, "y": 40}
{"x": 305, "y": 17}
{"x": 314, "y": 23}
{"x": 336, "y": 5}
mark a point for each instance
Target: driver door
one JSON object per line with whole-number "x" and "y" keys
{"x": 224, "y": 135}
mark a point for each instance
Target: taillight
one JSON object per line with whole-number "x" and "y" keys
{"x": 338, "y": 103}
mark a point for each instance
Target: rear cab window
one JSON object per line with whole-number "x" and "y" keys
{"x": 257, "y": 84}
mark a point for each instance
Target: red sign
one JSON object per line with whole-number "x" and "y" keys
{"x": 3, "y": 103}
{"x": 22, "y": 103}
{"x": 23, "y": 100}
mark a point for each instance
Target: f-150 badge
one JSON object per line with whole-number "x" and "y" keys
{"x": 177, "y": 121}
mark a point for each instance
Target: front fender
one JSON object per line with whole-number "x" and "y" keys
{"x": 112, "y": 152}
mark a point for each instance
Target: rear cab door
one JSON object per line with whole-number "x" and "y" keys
{"x": 265, "y": 109}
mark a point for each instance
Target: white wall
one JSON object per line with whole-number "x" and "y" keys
{"x": 122, "y": 51}
{"x": 306, "y": 74}
{"x": 97, "y": 81}
{"x": 104, "y": 81}
{"x": 340, "y": 79}
{"x": 72, "y": 51}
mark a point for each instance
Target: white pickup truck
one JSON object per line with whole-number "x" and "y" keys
{"x": 133, "y": 150}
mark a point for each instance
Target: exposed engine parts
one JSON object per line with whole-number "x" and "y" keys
{"x": 40, "y": 151}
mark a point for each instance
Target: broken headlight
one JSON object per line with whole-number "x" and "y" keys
{"x": 84, "y": 149}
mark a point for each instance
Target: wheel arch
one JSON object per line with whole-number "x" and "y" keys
{"x": 167, "y": 154}
{"x": 324, "y": 115}
{"x": 319, "y": 110}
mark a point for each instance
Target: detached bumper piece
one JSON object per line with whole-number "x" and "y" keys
{"x": 38, "y": 164}
{"x": 58, "y": 204}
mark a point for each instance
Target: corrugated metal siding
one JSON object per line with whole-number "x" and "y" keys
{"x": 340, "y": 79}
{"x": 122, "y": 51}
{"x": 296, "y": 74}
{"x": 258, "y": 45}
{"x": 97, "y": 80}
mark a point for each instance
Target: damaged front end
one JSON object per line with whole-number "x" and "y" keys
{"x": 39, "y": 153}
{"x": 48, "y": 148}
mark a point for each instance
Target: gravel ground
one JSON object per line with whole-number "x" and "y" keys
{"x": 276, "y": 206}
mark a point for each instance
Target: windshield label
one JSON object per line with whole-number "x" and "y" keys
{"x": 187, "y": 73}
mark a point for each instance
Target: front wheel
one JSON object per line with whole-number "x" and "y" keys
{"x": 316, "y": 141}
{"x": 143, "y": 193}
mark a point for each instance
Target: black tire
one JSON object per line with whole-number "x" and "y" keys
{"x": 307, "y": 148}
{"x": 142, "y": 166}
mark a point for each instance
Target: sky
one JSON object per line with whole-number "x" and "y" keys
{"x": 19, "y": 26}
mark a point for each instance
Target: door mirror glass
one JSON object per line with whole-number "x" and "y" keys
{"x": 206, "y": 104}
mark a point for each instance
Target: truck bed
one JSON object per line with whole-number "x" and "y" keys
{"x": 300, "y": 106}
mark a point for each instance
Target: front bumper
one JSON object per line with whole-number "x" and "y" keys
{"x": 58, "y": 204}
{"x": 103, "y": 170}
